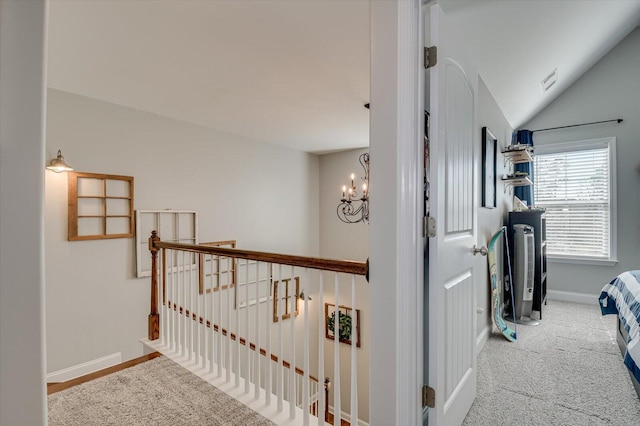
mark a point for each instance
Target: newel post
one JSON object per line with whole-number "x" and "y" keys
{"x": 154, "y": 316}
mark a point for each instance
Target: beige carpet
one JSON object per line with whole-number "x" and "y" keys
{"x": 566, "y": 371}
{"x": 157, "y": 392}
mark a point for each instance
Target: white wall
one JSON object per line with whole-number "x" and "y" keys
{"x": 340, "y": 240}
{"x": 264, "y": 196}
{"x": 611, "y": 89}
{"x": 22, "y": 330}
{"x": 490, "y": 220}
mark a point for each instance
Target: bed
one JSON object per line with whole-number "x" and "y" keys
{"x": 622, "y": 297}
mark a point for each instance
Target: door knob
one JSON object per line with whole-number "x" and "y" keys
{"x": 480, "y": 250}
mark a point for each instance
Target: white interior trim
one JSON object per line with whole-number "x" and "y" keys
{"x": 395, "y": 238}
{"x": 483, "y": 337}
{"x": 84, "y": 368}
{"x": 570, "y": 296}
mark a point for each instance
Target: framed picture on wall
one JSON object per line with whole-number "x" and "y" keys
{"x": 489, "y": 151}
{"x": 348, "y": 324}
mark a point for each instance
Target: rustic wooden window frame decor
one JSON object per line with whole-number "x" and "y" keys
{"x": 142, "y": 238}
{"x": 74, "y": 199}
{"x": 260, "y": 279}
{"x": 328, "y": 311}
{"x": 202, "y": 269}
{"x": 286, "y": 298}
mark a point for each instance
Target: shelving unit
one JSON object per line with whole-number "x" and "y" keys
{"x": 516, "y": 181}
{"x": 516, "y": 156}
{"x": 538, "y": 220}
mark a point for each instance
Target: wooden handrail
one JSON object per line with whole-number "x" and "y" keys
{"x": 345, "y": 266}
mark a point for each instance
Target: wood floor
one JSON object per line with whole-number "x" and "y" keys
{"x": 342, "y": 421}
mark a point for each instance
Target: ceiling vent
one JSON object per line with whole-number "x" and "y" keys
{"x": 549, "y": 80}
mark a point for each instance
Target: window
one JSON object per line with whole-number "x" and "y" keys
{"x": 575, "y": 183}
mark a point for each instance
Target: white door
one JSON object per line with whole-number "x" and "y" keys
{"x": 453, "y": 174}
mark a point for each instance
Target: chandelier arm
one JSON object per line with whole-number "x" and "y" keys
{"x": 346, "y": 210}
{"x": 348, "y": 214}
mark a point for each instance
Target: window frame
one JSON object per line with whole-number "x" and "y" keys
{"x": 583, "y": 145}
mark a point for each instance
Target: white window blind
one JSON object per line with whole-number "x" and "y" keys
{"x": 573, "y": 182}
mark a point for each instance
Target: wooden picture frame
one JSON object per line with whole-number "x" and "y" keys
{"x": 344, "y": 312}
{"x": 99, "y": 206}
{"x": 215, "y": 273}
{"x": 176, "y": 226}
{"x": 489, "y": 152}
{"x": 286, "y": 297}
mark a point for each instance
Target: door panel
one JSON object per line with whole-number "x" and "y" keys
{"x": 459, "y": 149}
{"x": 453, "y": 171}
{"x": 458, "y": 307}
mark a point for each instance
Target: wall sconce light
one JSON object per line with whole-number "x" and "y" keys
{"x": 301, "y": 296}
{"x": 354, "y": 208}
{"x": 58, "y": 165}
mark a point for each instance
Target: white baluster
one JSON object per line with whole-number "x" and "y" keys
{"x": 183, "y": 304}
{"x": 205, "y": 309}
{"x": 191, "y": 322}
{"x": 178, "y": 320}
{"x": 269, "y": 368}
{"x": 202, "y": 309}
{"x": 227, "y": 346}
{"x": 174, "y": 292}
{"x": 337, "y": 415}
{"x": 247, "y": 336}
{"x": 162, "y": 298}
{"x": 201, "y": 271}
{"x": 292, "y": 334}
{"x": 279, "y": 367}
{"x": 256, "y": 353}
{"x": 321, "y": 334}
{"x": 237, "y": 311}
{"x": 212, "y": 331}
{"x": 305, "y": 363}
{"x": 196, "y": 309}
{"x": 219, "y": 322}
{"x": 354, "y": 361}
{"x": 161, "y": 324}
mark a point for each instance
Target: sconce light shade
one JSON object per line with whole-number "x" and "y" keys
{"x": 301, "y": 296}
{"x": 58, "y": 165}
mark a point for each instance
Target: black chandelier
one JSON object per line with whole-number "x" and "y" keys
{"x": 354, "y": 206}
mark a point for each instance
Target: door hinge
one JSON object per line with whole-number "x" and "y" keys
{"x": 430, "y": 57}
{"x": 428, "y": 397}
{"x": 429, "y": 227}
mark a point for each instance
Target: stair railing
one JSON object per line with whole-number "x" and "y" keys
{"x": 199, "y": 291}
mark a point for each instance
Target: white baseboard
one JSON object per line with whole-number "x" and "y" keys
{"x": 570, "y": 296}
{"x": 483, "y": 337}
{"x": 347, "y": 417}
{"x": 84, "y": 368}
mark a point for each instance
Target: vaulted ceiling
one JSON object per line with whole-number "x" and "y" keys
{"x": 296, "y": 73}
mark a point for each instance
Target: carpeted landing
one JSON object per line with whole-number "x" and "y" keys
{"x": 157, "y": 392}
{"x": 566, "y": 371}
